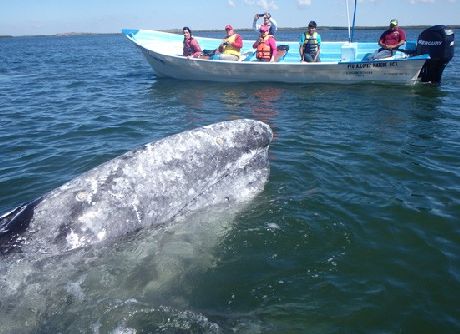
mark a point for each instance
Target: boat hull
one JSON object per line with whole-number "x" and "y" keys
{"x": 177, "y": 67}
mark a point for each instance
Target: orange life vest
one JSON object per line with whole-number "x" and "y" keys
{"x": 264, "y": 51}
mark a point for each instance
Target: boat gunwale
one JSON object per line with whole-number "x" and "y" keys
{"x": 282, "y": 63}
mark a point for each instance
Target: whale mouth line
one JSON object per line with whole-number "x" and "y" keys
{"x": 224, "y": 175}
{"x": 13, "y": 224}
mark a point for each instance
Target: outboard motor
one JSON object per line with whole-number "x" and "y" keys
{"x": 438, "y": 42}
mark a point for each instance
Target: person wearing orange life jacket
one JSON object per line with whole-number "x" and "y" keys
{"x": 310, "y": 44}
{"x": 265, "y": 45}
{"x": 231, "y": 45}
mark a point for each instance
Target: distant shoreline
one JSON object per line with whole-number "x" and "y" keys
{"x": 420, "y": 27}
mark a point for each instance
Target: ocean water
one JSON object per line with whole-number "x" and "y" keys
{"x": 357, "y": 230}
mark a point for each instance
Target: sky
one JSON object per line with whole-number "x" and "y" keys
{"x": 47, "y": 17}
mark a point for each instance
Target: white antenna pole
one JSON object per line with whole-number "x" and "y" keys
{"x": 348, "y": 18}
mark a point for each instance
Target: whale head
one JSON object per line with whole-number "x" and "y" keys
{"x": 163, "y": 181}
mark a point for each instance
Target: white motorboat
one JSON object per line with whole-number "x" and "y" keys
{"x": 341, "y": 62}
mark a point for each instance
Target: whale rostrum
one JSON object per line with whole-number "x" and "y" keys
{"x": 222, "y": 163}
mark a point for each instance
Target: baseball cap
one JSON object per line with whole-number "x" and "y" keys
{"x": 228, "y": 27}
{"x": 394, "y": 22}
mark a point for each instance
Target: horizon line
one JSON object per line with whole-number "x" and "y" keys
{"x": 364, "y": 27}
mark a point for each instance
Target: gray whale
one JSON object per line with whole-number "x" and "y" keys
{"x": 226, "y": 162}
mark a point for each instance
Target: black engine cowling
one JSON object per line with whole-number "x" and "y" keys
{"x": 438, "y": 42}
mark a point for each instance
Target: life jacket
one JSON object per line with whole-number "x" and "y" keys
{"x": 310, "y": 44}
{"x": 230, "y": 49}
{"x": 264, "y": 51}
{"x": 188, "y": 49}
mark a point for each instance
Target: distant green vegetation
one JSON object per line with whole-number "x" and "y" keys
{"x": 179, "y": 31}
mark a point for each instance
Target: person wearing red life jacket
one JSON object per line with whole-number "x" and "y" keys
{"x": 191, "y": 48}
{"x": 265, "y": 45}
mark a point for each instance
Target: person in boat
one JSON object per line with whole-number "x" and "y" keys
{"x": 231, "y": 45}
{"x": 191, "y": 48}
{"x": 265, "y": 45}
{"x": 390, "y": 40}
{"x": 310, "y": 44}
{"x": 269, "y": 21}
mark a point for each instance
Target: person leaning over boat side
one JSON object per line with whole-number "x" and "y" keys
{"x": 191, "y": 48}
{"x": 269, "y": 21}
{"x": 310, "y": 44}
{"x": 390, "y": 40}
{"x": 265, "y": 45}
{"x": 231, "y": 45}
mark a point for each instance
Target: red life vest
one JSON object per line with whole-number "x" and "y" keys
{"x": 264, "y": 51}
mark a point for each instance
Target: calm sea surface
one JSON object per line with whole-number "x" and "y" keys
{"x": 357, "y": 231}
